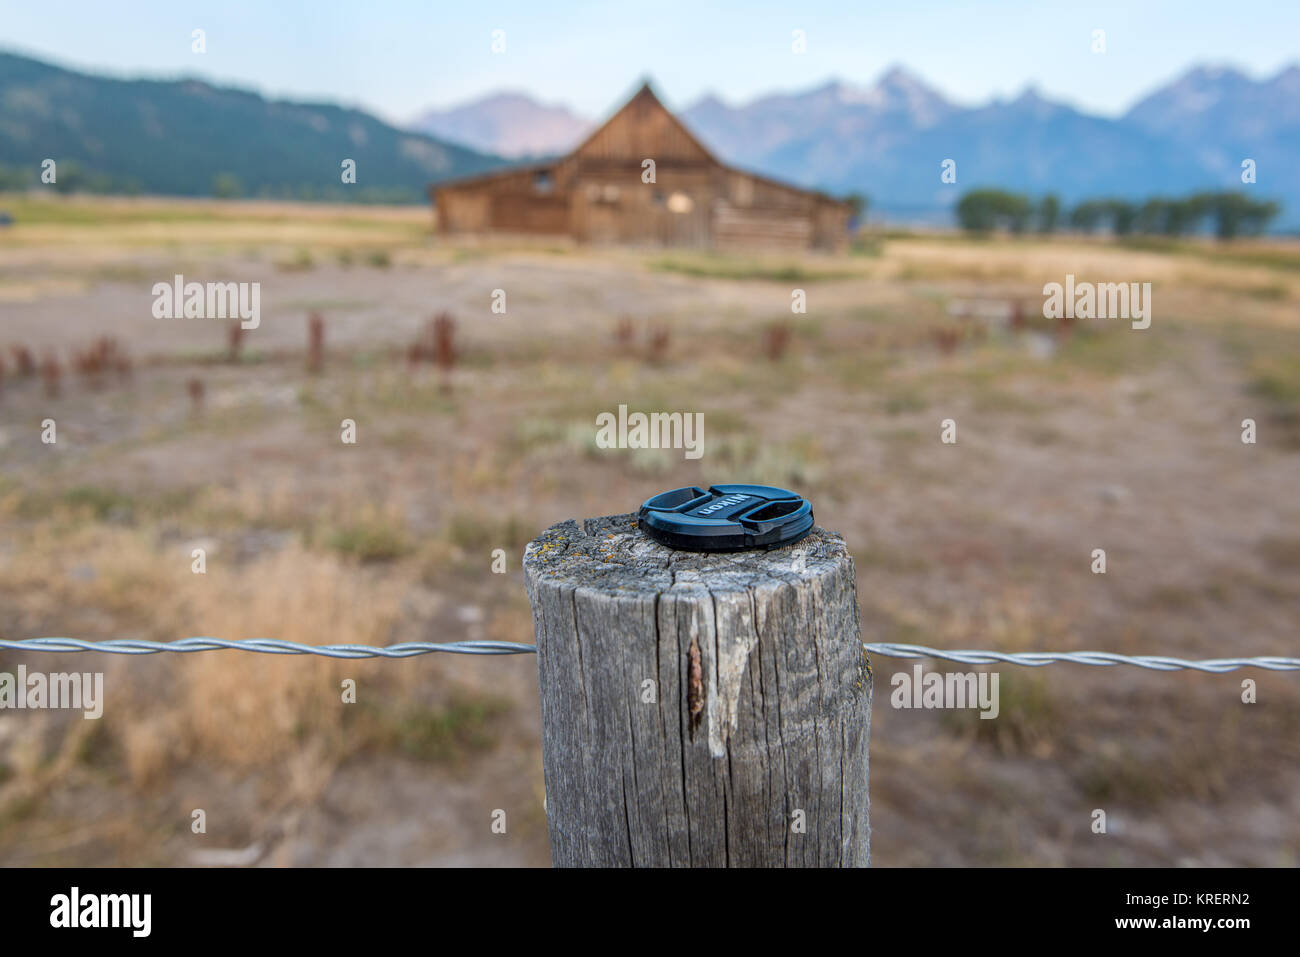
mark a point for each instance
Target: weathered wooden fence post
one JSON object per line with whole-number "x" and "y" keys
{"x": 706, "y": 710}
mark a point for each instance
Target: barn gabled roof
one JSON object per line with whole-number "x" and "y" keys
{"x": 642, "y": 97}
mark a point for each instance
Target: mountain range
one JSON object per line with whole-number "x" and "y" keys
{"x": 187, "y": 137}
{"x": 889, "y": 139}
{"x": 514, "y": 123}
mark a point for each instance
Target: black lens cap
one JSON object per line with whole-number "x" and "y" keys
{"x": 726, "y": 518}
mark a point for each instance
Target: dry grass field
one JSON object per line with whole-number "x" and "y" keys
{"x": 1092, "y": 436}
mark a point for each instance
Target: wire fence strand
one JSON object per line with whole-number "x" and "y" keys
{"x": 1036, "y": 659}
{"x": 412, "y": 649}
{"x": 271, "y": 646}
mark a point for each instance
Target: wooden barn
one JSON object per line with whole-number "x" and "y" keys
{"x": 599, "y": 194}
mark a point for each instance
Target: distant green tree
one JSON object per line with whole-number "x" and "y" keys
{"x": 1195, "y": 210}
{"x": 1088, "y": 215}
{"x": 1049, "y": 213}
{"x": 1235, "y": 213}
{"x": 227, "y": 186}
{"x": 1152, "y": 216}
{"x": 1260, "y": 215}
{"x": 1018, "y": 212}
{"x": 1122, "y": 216}
{"x": 1182, "y": 216}
{"x": 71, "y": 177}
{"x": 983, "y": 210}
{"x": 14, "y": 178}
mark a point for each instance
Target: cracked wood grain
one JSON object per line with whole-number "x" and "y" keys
{"x": 761, "y": 703}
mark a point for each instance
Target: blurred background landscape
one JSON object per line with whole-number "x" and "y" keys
{"x": 476, "y": 430}
{"x": 884, "y": 139}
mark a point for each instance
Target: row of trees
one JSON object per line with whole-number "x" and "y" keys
{"x": 1228, "y": 214}
{"x": 71, "y": 178}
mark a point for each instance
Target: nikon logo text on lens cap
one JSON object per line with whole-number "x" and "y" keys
{"x": 726, "y": 518}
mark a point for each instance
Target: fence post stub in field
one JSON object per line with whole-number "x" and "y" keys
{"x": 706, "y": 710}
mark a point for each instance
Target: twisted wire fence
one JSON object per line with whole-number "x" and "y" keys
{"x": 412, "y": 649}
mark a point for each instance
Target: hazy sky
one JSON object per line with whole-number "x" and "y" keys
{"x": 396, "y": 57}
